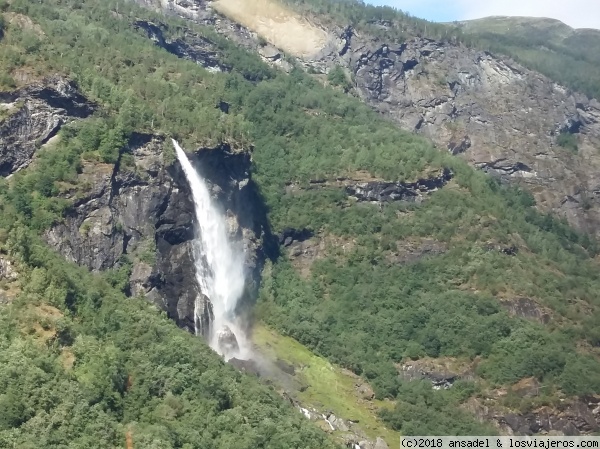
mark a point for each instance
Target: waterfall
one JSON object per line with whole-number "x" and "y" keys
{"x": 219, "y": 268}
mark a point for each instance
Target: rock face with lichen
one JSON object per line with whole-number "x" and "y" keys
{"x": 140, "y": 214}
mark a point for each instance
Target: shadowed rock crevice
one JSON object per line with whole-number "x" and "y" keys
{"x": 291, "y": 235}
{"x": 380, "y": 191}
{"x": 192, "y": 46}
{"x": 227, "y": 170}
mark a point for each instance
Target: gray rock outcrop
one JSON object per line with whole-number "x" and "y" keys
{"x": 192, "y": 46}
{"x": 141, "y": 212}
{"x": 31, "y": 116}
{"x": 8, "y": 278}
{"x": 227, "y": 342}
{"x": 570, "y": 418}
{"x": 383, "y": 192}
{"x": 527, "y": 308}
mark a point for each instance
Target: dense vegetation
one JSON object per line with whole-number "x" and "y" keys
{"x": 81, "y": 366}
{"x": 361, "y": 308}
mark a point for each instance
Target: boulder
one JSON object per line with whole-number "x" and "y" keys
{"x": 227, "y": 341}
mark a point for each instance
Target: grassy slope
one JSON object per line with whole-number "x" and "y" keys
{"x": 329, "y": 386}
{"x": 553, "y": 30}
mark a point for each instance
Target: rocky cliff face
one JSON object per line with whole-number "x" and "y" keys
{"x": 497, "y": 115}
{"x": 379, "y": 191}
{"x": 142, "y": 211}
{"x": 571, "y": 418}
{"x": 193, "y": 47}
{"x": 31, "y": 116}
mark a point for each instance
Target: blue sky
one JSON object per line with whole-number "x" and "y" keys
{"x": 576, "y": 13}
{"x": 436, "y": 10}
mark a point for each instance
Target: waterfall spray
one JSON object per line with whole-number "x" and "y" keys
{"x": 219, "y": 268}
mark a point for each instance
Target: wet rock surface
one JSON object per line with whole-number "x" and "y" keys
{"x": 145, "y": 213}
{"x": 227, "y": 342}
{"x": 228, "y": 172}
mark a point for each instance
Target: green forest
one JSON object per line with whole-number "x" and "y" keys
{"x": 85, "y": 366}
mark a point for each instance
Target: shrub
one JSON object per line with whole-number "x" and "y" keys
{"x": 337, "y": 77}
{"x": 568, "y": 140}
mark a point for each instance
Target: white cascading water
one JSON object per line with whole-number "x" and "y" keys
{"x": 219, "y": 268}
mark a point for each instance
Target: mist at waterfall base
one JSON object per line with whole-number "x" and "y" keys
{"x": 219, "y": 269}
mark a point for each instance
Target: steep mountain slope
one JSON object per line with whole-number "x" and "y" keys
{"x": 395, "y": 260}
{"x": 341, "y": 327}
{"x": 569, "y": 56}
{"x": 500, "y": 116}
